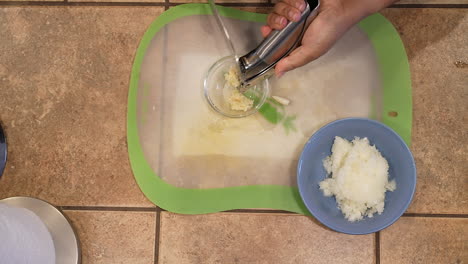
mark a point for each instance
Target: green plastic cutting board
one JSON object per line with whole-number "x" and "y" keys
{"x": 397, "y": 113}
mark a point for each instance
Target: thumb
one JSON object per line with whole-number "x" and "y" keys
{"x": 299, "y": 57}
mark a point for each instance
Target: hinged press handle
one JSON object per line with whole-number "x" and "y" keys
{"x": 277, "y": 45}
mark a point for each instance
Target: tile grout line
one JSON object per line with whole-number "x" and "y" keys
{"x": 68, "y": 3}
{"x": 157, "y": 235}
{"x": 259, "y": 211}
{"x": 377, "y": 247}
{"x": 429, "y": 6}
{"x": 258, "y": 4}
{"x": 166, "y": 4}
{"x": 435, "y": 215}
{"x": 108, "y": 208}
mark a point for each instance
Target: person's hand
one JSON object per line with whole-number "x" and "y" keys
{"x": 335, "y": 17}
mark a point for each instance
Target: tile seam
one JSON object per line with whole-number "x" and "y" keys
{"x": 108, "y": 208}
{"x": 429, "y": 6}
{"x": 261, "y": 211}
{"x": 167, "y": 4}
{"x": 377, "y": 247}
{"x": 157, "y": 237}
{"x": 72, "y": 4}
{"x": 429, "y": 215}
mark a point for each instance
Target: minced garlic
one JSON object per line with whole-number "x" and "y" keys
{"x": 237, "y": 101}
{"x": 240, "y": 102}
{"x": 232, "y": 77}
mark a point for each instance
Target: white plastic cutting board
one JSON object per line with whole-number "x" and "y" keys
{"x": 191, "y": 146}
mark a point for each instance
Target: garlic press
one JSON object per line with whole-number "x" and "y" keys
{"x": 259, "y": 63}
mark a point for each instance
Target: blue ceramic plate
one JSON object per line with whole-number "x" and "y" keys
{"x": 401, "y": 168}
{"x": 3, "y": 151}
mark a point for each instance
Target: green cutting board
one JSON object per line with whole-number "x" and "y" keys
{"x": 396, "y": 113}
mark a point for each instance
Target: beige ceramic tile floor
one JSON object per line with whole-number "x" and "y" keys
{"x": 64, "y": 72}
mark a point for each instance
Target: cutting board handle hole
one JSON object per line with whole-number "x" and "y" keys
{"x": 393, "y": 113}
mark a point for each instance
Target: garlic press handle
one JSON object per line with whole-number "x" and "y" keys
{"x": 277, "y": 45}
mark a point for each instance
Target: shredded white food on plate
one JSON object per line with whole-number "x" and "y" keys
{"x": 359, "y": 178}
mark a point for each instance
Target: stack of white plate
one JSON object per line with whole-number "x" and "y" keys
{"x": 34, "y": 232}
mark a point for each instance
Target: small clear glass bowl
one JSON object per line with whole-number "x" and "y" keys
{"x": 217, "y": 92}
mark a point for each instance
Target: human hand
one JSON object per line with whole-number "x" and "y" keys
{"x": 335, "y": 17}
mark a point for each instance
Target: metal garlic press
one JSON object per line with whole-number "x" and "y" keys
{"x": 259, "y": 63}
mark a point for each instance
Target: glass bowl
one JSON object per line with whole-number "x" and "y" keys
{"x": 217, "y": 92}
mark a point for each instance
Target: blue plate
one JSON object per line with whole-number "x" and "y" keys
{"x": 392, "y": 147}
{"x": 3, "y": 151}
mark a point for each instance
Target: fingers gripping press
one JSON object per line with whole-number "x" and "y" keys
{"x": 283, "y": 11}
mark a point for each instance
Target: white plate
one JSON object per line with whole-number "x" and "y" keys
{"x": 67, "y": 250}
